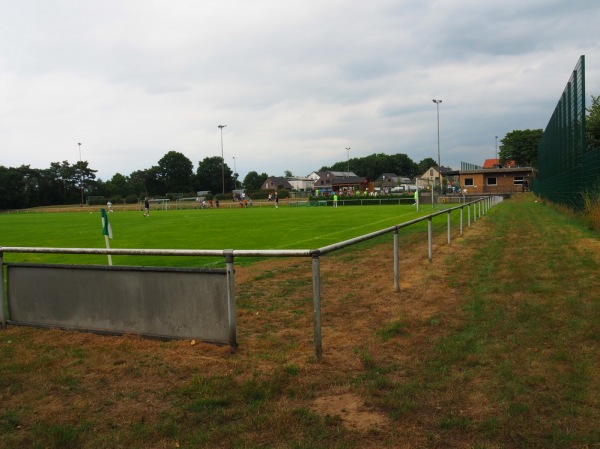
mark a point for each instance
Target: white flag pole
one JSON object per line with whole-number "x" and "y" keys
{"x": 107, "y": 231}
{"x": 108, "y": 247}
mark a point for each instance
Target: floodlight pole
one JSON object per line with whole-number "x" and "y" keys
{"x": 496, "y": 147}
{"x": 234, "y": 174}
{"x": 222, "y": 158}
{"x": 80, "y": 174}
{"x": 348, "y": 152}
{"x": 437, "y": 104}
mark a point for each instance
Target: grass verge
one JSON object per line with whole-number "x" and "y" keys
{"x": 493, "y": 345}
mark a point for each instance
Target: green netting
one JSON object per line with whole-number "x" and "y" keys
{"x": 565, "y": 168}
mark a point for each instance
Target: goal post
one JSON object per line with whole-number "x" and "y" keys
{"x": 196, "y": 202}
{"x": 94, "y": 200}
{"x": 157, "y": 203}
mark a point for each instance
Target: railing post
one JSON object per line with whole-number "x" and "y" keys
{"x": 231, "y": 307}
{"x": 461, "y": 221}
{"x": 2, "y": 316}
{"x": 317, "y": 304}
{"x": 396, "y": 262}
{"x": 449, "y": 238}
{"x": 469, "y": 215}
{"x": 430, "y": 238}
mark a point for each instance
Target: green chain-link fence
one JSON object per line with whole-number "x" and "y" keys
{"x": 566, "y": 168}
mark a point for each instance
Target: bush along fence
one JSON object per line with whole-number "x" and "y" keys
{"x": 167, "y": 302}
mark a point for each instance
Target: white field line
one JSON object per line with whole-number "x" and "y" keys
{"x": 394, "y": 220}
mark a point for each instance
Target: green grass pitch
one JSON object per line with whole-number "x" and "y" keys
{"x": 235, "y": 228}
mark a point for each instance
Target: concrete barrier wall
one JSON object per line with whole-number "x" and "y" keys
{"x": 157, "y": 302}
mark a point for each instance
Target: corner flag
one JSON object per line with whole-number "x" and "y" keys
{"x": 106, "y": 229}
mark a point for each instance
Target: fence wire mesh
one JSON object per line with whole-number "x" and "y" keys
{"x": 567, "y": 169}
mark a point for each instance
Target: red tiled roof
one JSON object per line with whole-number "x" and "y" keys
{"x": 493, "y": 163}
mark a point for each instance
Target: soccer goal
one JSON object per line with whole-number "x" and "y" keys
{"x": 160, "y": 203}
{"x": 196, "y": 202}
{"x": 298, "y": 203}
{"x": 93, "y": 200}
{"x": 315, "y": 203}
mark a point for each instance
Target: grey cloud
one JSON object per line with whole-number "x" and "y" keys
{"x": 308, "y": 78}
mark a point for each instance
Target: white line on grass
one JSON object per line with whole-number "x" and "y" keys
{"x": 326, "y": 236}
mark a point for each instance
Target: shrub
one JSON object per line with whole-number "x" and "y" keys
{"x": 591, "y": 208}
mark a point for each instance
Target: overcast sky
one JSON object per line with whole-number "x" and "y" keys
{"x": 295, "y": 81}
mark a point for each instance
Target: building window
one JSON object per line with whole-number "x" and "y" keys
{"x": 431, "y": 173}
{"x": 518, "y": 180}
{"x": 492, "y": 182}
{"x": 468, "y": 181}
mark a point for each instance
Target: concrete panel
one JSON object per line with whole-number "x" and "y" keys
{"x": 159, "y": 302}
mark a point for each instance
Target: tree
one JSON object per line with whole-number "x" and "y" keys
{"x": 254, "y": 181}
{"x": 287, "y": 173}
{"x": 118, "y": 185}
{"x": 373, "y": 166}
{"x": 209, "y": 175}
{"x": 592, "y": 124}
{"x": 521, "y": 147}
{"x": 63, "y": 182}
{"x": 18, "y": 187}
{"x": 85, "y": 177}
{"x": 426, "y": 164}
{"x": 137, "y": 183}
{"x": 155, "y": 181}
{"x": 176, "y": 171}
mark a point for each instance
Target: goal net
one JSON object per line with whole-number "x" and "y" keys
{"x": 159, "y": 203}
{"x": 197, "y": 202}
{"x": 93, "y": 200}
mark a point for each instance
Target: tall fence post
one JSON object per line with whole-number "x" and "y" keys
{"x": 231, "y": 307}
{"x": 430, "y": 238}
{"x": 461, "y": 221}
{"x": 316, "y": 270}
{"x": 2, "y": 316}
{"x": 396, "y": 262}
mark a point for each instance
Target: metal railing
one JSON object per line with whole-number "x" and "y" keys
{"x": 476, "y": 208}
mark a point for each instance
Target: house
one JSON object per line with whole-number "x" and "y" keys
{"x": 276, "y": 183}
{"x": 496, "y": 179}
{"x": 301, "y": 184}
{"x": 432, "y": 176}
{"x": 315, "y": 175}
{"x": 387, "y": 181}
{"x": 342, "y": 182}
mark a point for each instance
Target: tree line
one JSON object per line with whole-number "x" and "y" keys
{"x": 64, "y": 183}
